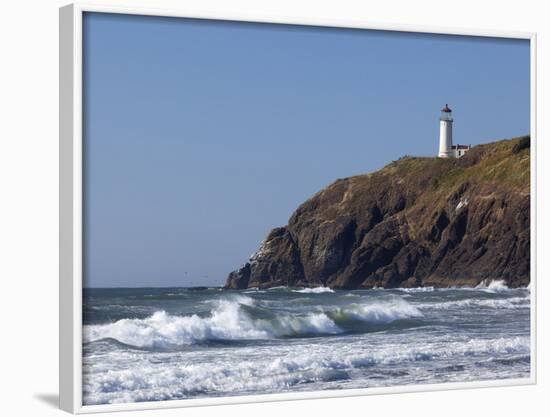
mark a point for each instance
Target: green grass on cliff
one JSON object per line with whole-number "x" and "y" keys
{"x": 499, "y": 162}
{"x": 503, "y": 165}
{"x": 506, "y": 162}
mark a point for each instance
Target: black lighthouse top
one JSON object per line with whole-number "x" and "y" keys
{"x": 446, "y": 114}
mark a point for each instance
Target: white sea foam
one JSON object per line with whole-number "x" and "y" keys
{"x": 238, "y": 318}
{"x": 227, "y": 321}
{"x": 304, "y": 342}
{"x": 493, "y": 286}
{"x": 380, "y": 311}
{"x": 139, "y": 378}
{"x": 417, "y": 289}
{"x": 280, "y": 287}
{"x": 254, "y": 290}
{"x": 505, "y": 303}
{"x": 315, "y": 290}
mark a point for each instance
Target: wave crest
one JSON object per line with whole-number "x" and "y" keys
{"x": 493, "y": 286}
{"x": 315, "y": 290}
{"x": 239, "y": 318}
{"x": 383, "y": 311}
{"x": 505, "y": 303}
{"x": 231, "y": 319}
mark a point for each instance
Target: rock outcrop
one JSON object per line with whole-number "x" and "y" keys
{"x": 417, "y": 221}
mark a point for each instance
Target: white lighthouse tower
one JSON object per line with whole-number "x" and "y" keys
{"x": 446, "y": 133}
{"x": 446, "y": 147}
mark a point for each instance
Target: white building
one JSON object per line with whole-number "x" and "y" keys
{"x": 446, "y": 147}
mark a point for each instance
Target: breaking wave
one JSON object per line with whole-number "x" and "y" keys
{"x": 315, "y": 290}
{"x": 493, "y": 286}
{"x": 239, "y": 318}
{"x": 506, "y": 303}
{"x": 383, "y": 311}
{"x": 231, "y": 319}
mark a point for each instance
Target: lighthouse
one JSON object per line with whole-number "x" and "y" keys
{"x": 445, "y": 132}
{"x": 446, "y": 147}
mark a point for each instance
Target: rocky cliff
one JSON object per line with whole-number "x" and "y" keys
{"x": 417, "y": 221}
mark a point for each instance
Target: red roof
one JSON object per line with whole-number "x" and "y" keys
{"x": 446, "y": 109}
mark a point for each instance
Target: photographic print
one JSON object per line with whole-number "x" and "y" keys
{"x": 276, "y": 208}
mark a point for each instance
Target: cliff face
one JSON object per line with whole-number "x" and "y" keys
{"x": 417, "y": 221}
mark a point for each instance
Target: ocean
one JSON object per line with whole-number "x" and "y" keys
{"x": 153, "y": 344}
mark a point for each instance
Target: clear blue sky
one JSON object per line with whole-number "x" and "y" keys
{"x": 201, "y": 136}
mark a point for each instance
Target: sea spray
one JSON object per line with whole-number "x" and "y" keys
{"x": 493, "y": 286}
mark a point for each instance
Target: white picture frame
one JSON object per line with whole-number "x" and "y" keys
{"x": 71, "y": 193}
